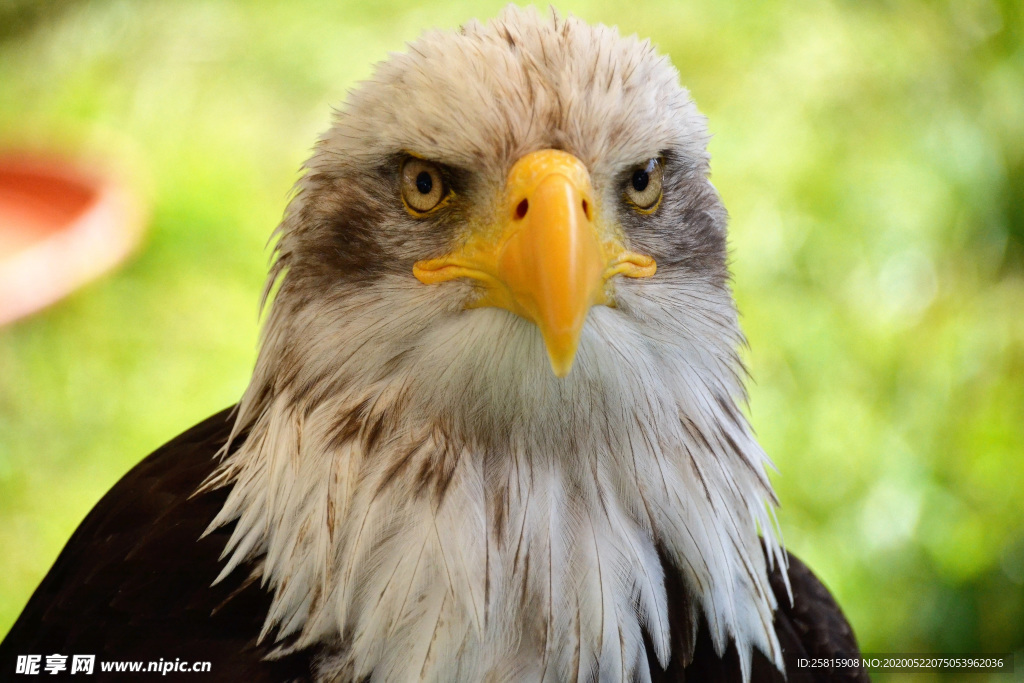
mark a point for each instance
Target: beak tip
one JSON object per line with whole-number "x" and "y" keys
{"x": 562, "y": 362}
{"x": 561, "y": 369}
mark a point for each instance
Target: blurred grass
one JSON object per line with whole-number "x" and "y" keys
{"x": 871, "y": 155}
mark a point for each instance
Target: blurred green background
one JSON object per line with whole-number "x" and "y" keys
{"x": 871, "y": 155}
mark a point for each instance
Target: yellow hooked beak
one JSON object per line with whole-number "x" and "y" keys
{"x": 547, "y": 260}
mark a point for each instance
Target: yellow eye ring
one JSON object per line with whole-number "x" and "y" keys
{"x": 423, "y": 186}
{"x": 643, "y": 186}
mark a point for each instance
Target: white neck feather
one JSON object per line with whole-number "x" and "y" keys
{"x": 440, "y": 507}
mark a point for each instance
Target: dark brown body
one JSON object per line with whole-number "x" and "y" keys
{"x": 135, "y": 583}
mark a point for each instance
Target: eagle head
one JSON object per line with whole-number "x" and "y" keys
{"x": 496, "y": 396}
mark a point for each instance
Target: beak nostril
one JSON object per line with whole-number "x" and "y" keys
{"x": 522, "y": 208}
{"x": 586, "y": 209}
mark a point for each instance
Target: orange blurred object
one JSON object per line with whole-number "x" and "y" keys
{"x": 61, "y": 226}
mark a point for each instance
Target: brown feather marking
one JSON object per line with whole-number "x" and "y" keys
{"x": 349, "y": 425}
{"x": 445, "y": 469}
{"x": 400, "y": 464}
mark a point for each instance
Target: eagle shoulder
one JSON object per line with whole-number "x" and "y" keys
{"x": 134, "y": 581}
{"x": 810, "y": 626}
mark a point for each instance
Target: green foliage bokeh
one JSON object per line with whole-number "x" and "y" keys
{"x": 871, "y": 155}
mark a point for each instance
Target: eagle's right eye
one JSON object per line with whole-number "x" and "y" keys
{"x": 423, "y": 186}
{"x": 643, "y": 187}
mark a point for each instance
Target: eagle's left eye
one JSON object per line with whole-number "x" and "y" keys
{"x": 423, "y": 186}
{"x": 643, "y": 186}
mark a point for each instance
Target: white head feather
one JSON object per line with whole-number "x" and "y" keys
{"x": 421, "y": 494}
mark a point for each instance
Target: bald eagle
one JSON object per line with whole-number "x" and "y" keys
{"x": 492, "y": 433}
